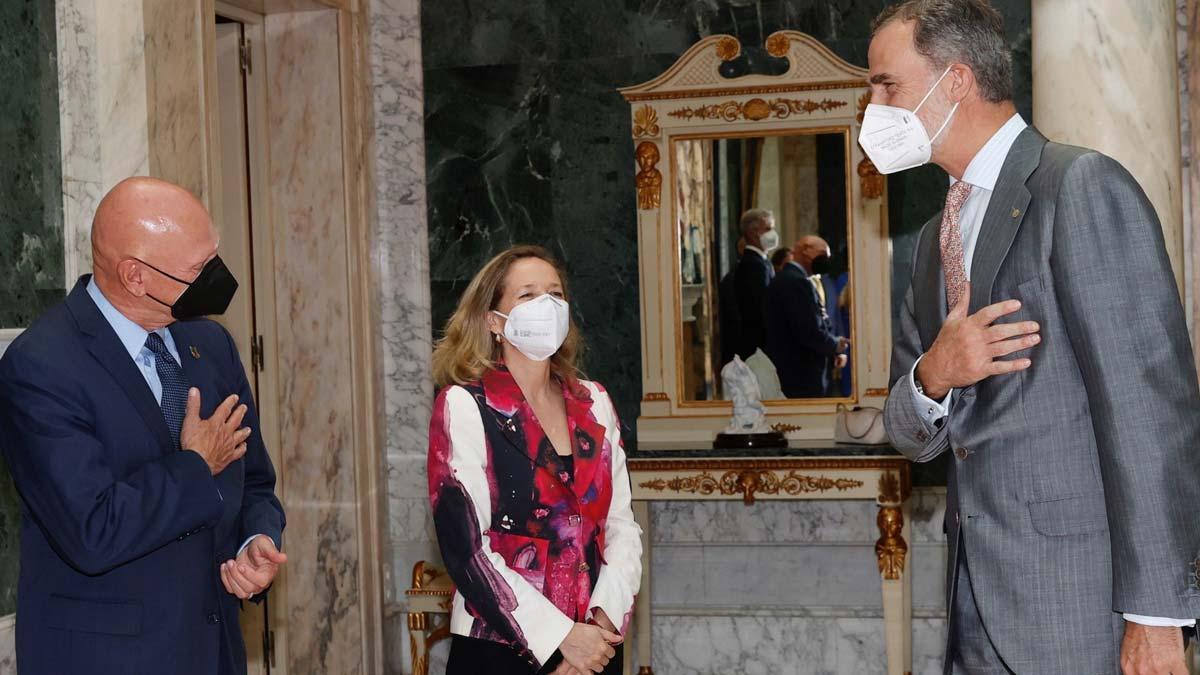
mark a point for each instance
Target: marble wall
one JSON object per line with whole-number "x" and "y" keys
{"x": 528, "y": 139}
{"x": 31, "y": 250}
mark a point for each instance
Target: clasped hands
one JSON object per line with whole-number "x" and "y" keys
{"x": 220, "y": 441}
{"x": 588, "y": 648}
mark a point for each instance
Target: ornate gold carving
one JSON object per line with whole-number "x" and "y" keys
{"x": 863, "y": 101}
{"x": 728, "y": 48}
{"x": 872, "y": 181}
{"x": 757, "y": 109}
{"x": 645, "y": 670}
{"x": 783, "y": 428}
{"x": 876, "y": 392}
{"x": 656, "y": 396}
{"x": 778, "y": 44}
{"x": 744, "y": 91}
{"x": 890, "y": 549}
{"x": 649, "y": 179}
{"x": 898, "y": 464}
{"x": 423, "y": 575}
{"x": 645, "y": 122}
{"x": 750, "y": 482}
{"x": 889, "y": 489}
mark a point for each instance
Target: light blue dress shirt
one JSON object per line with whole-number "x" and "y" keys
{"x": 133, "y": 338}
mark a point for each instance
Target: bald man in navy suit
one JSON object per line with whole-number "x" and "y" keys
{"x": 148, "y": 505}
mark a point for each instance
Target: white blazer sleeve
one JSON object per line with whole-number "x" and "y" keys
{"x": 621, "y": 574}
{"x": 458, "y": 453}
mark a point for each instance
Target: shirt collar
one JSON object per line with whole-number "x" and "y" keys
{"x": 756, "y": 250}
{"x": 984, "y": 169}
{"x": 131, "y": 335}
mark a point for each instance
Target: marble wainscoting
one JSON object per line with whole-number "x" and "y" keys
{"x": 787, "y": 587}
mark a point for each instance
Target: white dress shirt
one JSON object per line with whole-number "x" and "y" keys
{"x": 982, "y": 173}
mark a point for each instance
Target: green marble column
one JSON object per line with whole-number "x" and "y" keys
{"x": 31, "y": 232}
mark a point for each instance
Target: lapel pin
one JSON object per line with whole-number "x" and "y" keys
{"x": 195, "y": 352}
{"x": 1016, "y": 213}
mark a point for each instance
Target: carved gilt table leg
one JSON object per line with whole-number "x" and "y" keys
{"x": 891, "y": 550}
{"x": 641, "y": 621}
{"x": 417, "y": 626}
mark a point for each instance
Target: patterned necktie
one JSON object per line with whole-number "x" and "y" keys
{"x": 174, "y": 385}
{"x": 953, "y": 266}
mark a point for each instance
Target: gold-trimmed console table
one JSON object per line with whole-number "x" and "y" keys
{"x": 816, "y": 473}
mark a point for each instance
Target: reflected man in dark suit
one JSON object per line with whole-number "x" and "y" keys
{"x": 753, "y": 274}
{"x": 800, "y": 339}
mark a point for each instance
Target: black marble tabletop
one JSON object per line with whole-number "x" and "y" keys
{"x": 923, "y": 475}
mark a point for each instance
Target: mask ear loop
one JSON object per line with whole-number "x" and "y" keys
{"x": 929, "y": 93}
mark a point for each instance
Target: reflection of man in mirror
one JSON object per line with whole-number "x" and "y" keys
{"x": 801, "y": 340}
{"x": 780, "y": 258}
{"x": 730, "y": 315}
{"x": 1042, "y": 343}
{"x": 649, "y": 178}
{"x": 753, "y": 274}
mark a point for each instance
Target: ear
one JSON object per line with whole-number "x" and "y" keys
{"x": 132, "y": 277}
{"x": 494, "y": 323}
{"x": 962, "y": 82}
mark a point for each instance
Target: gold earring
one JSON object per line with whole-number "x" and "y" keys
{"x": 498, "y": 338}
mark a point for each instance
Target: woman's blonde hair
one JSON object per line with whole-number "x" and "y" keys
{"x": 467, "y": 349}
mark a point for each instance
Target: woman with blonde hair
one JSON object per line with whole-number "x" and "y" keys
{"x": 528, "y": 484}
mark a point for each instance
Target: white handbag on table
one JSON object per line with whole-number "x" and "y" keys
{"x": 859, "y": 426}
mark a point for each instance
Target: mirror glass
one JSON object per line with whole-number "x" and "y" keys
{"x": 764, "y": 272}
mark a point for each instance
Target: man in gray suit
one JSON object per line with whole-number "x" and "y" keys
{"x": 1043, "y": 344}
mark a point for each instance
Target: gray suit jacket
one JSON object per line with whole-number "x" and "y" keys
{"x": 1073, "y": 484}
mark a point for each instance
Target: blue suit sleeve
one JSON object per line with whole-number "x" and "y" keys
{"x": 261, "y": 511}
{"x": 95, "y": 520}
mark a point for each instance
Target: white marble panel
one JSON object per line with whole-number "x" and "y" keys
{"x": 788, "y": 521}
{"x": 691, "y": 645}
{"x": 102, "y": 111}
{"x": 8, "y": 645}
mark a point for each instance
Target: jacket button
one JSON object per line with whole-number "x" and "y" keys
{"x": 961, "y": 453}
{"x": 573, "y": 519}
{"x": 922, "y": 437}
{"x": 583, "y": 567}
{"x": 214, "y": 618}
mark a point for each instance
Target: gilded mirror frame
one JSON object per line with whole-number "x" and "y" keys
{"x": 819, "y": 93}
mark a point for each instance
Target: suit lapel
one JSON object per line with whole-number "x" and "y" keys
{"x": 1005, "y": 212}
{"x": 106, "y": 347}
{"x": 929, "y": 291}
{"x": 587, "y": 436}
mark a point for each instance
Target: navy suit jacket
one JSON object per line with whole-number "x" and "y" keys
{"x": 121, "y": 534}
{"x": 751, "y": 277}
{"x": 800, "y": 340}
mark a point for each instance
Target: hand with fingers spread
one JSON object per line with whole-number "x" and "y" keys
{"x": 220, "y": 439}
{"x": 254, "y": 569}
{"x": 970, "y": 349}
{"x": 589, "y": 648}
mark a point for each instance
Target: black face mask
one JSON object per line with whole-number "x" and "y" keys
{"x": 209, "y": 294}
{"x": 822, "y": 265}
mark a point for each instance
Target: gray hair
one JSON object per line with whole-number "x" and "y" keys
{"x": 755, "y": 217}
{"x": 970, "y": 32}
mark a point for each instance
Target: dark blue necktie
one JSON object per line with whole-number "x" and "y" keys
{"x": 174, "y": 385}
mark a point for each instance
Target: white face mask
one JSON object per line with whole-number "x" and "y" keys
{"x": 769, "y": 240}
{"x": 538, "y": 327}
{"x": 895, "y": 139}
